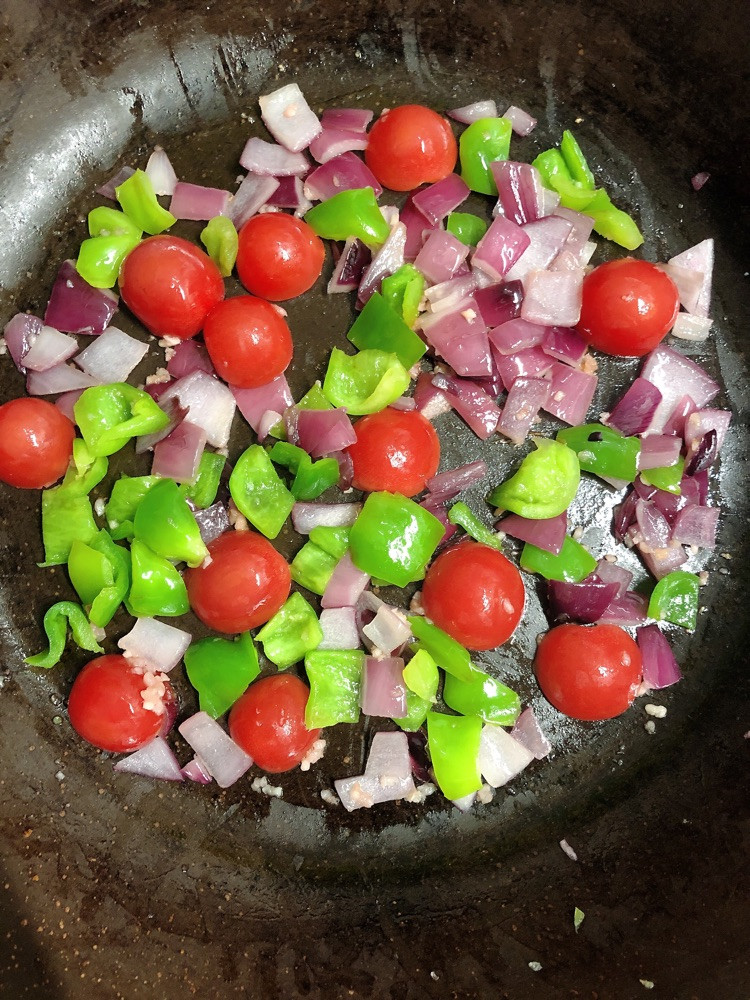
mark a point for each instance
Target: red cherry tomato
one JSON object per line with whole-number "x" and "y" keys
{"x": 588, "y": 671}
{"x": 395, "y": 450}
{"x": 244, "y": 584}
{"x": 409, "y": 146}
{"x": 36, "y": 443}
{"x": 628, "y": 307}
{"x": 279, "y": 257}
{"x": 170, "y": 285}
{"x": 106, "y": 704}
{"x": 475, "y": 594}
{"x": 248, "y": 340}
{"x": 268, "y": 722}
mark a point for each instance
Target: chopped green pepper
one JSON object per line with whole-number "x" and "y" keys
{"x": 220, "y": 670}
{"x": 365, "y": 382}
{"x": 461, "y": 514}
{"x": 259, "y": 493}
{"x": 89, "y": 571}
{"x": 575, "y": 161}
{"x": 165, "y": 523}
{"x": 603, "y": 450}
{"x": 311, "y": 479}
{"x": 106, "y": 221}
{"x": 545, "y": 484}
{"x": 67, "y": 517}
{"x": 466, "y": 227}
{"x": 381, "y": 327}
{"x": 453, "y": 742}
{"x": 314, "y": 399}
{"x": 203, "y": 491}
{"x": 350, "y": 213}
{"x": 127, "y": 493}
{"x": 421, "y": 675}
{"x": 136, "y": 195}
{"x": 675, "y": 599}
{"x": 445, "y": 651}
{"x": 335, "y": 677}
{"x": 573, "y": 564}
{"x": 110, "y": 415}
{"x": 416, "y": 712}
{"x": 156, "y": 588}
{"x": 483, "y": 696}
{"x": 403, "y": 292}
{"x": 313, "y": 567}
{"x": 394, "y": 538}
{"x": 108, "y": 600}
{"x": 666, "y": 477}
{"x": 334, "y": 541}
{"x": 292, "y": 633}
{"x": 56, "y": 622}
{"x": 100, "y": 258}
{"x": 481, "y": 144}
{"x": 221, "y": 242}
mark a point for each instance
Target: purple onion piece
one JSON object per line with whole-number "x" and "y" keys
{"x": 471, "y": 402}
{"x": 528, "y": 732}
{"x": 212, "y": 521}
{"x": 189, "y": 356}
{"x": 447, "y": 485}
{"x": 704, "y": 455}
{"x": 154, "y": 760}
{"x": 20, "y": 333}
{"x": 254, "y": 403}
{"x": 75, "y": 306}
{"x": 653, "y": 526}
{"x": 660, "y": 668}
{"x": 332, "y": 142}
{"x": 178, "y": 455}
{"x": 107, "y": 190}
{"x": 571, "y": 394}
{"x": 583, "y": 602}
{"x": 416, "y": 226}
{"x": 498, "y": 304}
{"x": 624, "y": 515}
{"x": 546, "y": 533}
{"x": 194, "y": 201}
{"x": 340, "y": 629}
{"x": 439, "y": 199}
{"x": 635, "y": 411}
{"x": 628, "y": 609}
{"x": 323, "y": 432}
{"x": 418, "y": 756}
{"x": 345, "y": 585}
{"x": 526, "y": 397}
{"x": 440, "y": 257}
{"x": 383, "y": 687}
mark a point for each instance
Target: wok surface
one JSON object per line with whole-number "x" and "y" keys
{"x": 122, "y": 888}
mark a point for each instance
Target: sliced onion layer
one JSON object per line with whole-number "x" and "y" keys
{"x": 154, "y": 760}
{"x": 223, "y": 759}
{"x": 155, "y": 644}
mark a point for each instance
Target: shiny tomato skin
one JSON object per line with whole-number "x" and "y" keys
{"x": 170, "y": 285}
{"x": 475, "y": 594}
{"x": 268, "y": 722}
{"x": 395, "y": 450}
{"x": 628, "y": 307}
{"x": 410, "y": 145}
{"x": 36, "y": 443}
{"x": 106, "y": 707}
{"x": 244, "y": 583}
{"x": 279, "y": 256}
{"x": 248, "y": 340}
{"x": 588, "y": 672}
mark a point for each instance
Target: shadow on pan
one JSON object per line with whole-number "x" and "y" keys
{"x": 127, "y": 889}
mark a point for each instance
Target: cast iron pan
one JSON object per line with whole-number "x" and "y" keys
{"x": 122, "y": 888}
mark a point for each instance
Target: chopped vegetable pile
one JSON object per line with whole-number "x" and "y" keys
{"x": 474, "y": 293}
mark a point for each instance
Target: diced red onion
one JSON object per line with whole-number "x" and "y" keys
{"x": 473, "y": 112}
{"x": 448, "y": 294}
{"x": 194, "y": 201}
{"x": 520, "y": 190}
{"x": 178, "y": 455}
{"x": 154, "y": 760}
{"x": 107, "y": 190}
{"x": 155, "y": 644}
{"x": 387, "y": 631}
{"x": 321, "y": 432}
{"x": 403, "y": 403}
{"x": 19, "y": 334}
{"x": 441, "y": 256}
{"x": 306, "y": 516}
{"x": 271, "y": 160}
{"x": 345, "y": 172}
{"x": 437, "y": 509}
{"x": 529, "y": 363}
{"x": 384, "y": 688}
{"x": 332, "y": 142}
{"x": 516, "y": 335}
{"x": 210, "y": 402}
{"x": 66, "y": 401}
{"x": 701, "y": 422}
{"x": 350, "y": 266}
{"x": 698, "y": 180}
{"x": 460, "y": 337}
{"x": 670, "y": 504}
{"x": 498, "y": 304}
{"x": 437, "y": 200}
{"x": 501, "y": 247}
{"x": 547, "y": 236}
{"x": 346, "y": 469}
{"x": 578, "y": 237}
{"x": 349, "y": 119}
{"x": 112, "y": 356}
{"x": 465, "y": 803}
{"x": 692, "y": 328}
{"x": 501, "y": 757}
{"x": 553, "y": 298}
{"x": 223, "y": 759}
{"x": 48, "y": 349}
{"x": 571, "y": 394}
{"x": 611, "y": 572}
{"x": 346, "y": 583}
{"x": 564, "y": 345}
{"x": 212, "y": 521}
{"x": 253, "y": 192}
{"x": 448, "y": 485}
{"x": 61, "y": 378}
{"x": 472, "y": 403}
{"x": 521, "y": 121}
{"x": 75, "y": 306}
{"x": 189, "y": 356}
{"x": 696, "y": 525}
{"x": 678, "y": 417}
{"x": 267, "y": 422}
{"x": 176, "y": 414}
{"x": 389, "y": 756}
{"x": 157, "y": 389}
{"x": 526, "y": 397}
{"x": 254, "y": 403}
{"x": 699, "y": 258}
{"x": 290, "y": 194}
{"x": 660, "y": 668}
{"x": 388, "y": 259}
{"x": 548, "y": 202}
{"x": 634, "y": 413}
{"x": 704, "y": 455}
{"x": 196, "y": 771}
{"x": 628, "y": 609}
{"x": 529, "y": 734}
{"x": 688, "y": 282}
{"x": 583, "y": 602}
{"x": 658, "y": 451}
{"x": 652, "y": 525}
{"x": 676, "y": 376}
{"x": 339, "y": 627}
{"x": 546, "y": 533}
{"x": 416, "y": 225}
{"x": 387, "y": 777}
{"x": 661, "y": 562}
{"x": 289, "y": 118}
{"x": 161, "y": 173}
{"x": 430, "y": 401}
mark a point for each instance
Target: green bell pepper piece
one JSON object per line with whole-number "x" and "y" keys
{"x": 603, "y": 450}
{"x": 258, "y": 492}
{"x": 453, "y": 742}
{"x": 220, "y": 670}
{"x": 335, "y": 678}
{"x": 67, "y": 517}
{"x": 350, "y": 213}
{"x": 127, "y": 493}
{"x": 156, "y": 588}
{"x": 136, "y": 195}
{"x": 573, "y": 564}
{"x": 615, "y": 225}
{"x": 575, "y": 161}
{"x": 555, "y": 175}
{"x": 394, "y": 538}
{"x": 292, "y": 633}
{"x": 110, "y": 415}
{"x": 482, "y": 143}
{"x": 100, "y": 258}
{"x": 667, "y": 477}
{"x": 421, "y": 675}
{"x": 378, "y": 326}
{"x": 109, "y": 598}
{"x": 165, "y": 523}
{"x": 55, "y": 624}
{"x": 444, "y": 650}
{"x": 403, "y": 292}
{"x": 203, "y": 491}
{"x": 334, "y": 541}
{"x": 483, "y": 696}
{"x": 461, "y": 515}
{"x": 416, "y": 712}
{"x": 311, "y": 479}
{"x": 675, "y": 599}
{"x": 545, "y": 484}
{"x": 221, "y": 242}
{"x": 89, "y": 571}
{"x": 313, "y": 567}
{"x": 106, "y": 221}
{"x": 314, "y": 399}
{"x": 365, "y": 382}
{"x": 466, "y": 227}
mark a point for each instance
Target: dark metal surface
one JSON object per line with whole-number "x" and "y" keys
{"x": 122, "y": 888}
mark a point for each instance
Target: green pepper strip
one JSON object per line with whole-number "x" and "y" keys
{"x": 460, "y": 514}
{"x": 483, "y": 696}
{"x": 421, "y": 675}
{"x": 220, "y": 670}
{"x": 292, "y": 633}
{"x": 165, "y": 523}
{"x": 350, "y": 213}
{"x": 453, "y": 742}
{"x": 545, "y": 484}
{"x": 127, "y": 493}
{"x": 334, "y": 541}
{"x": 203, "y": 491}
{"x": 157, "y": 588}
{"x": 575, "y": 161}
{"x": 67, "y": 515}
{"x": 675, "y": 599}
{"x": 403, "y": 291}
{"x": 100, "y": 258}
{"x": 416, "y": 712}
{"x": 56, "y": 622}
{"x": 136, "y": 195}
{"x": 106, "y": 221}
{"x": 89, "y": 571}
{"x": 221, "y": 242}
{"x": 481, "y": 144}
{"x": 258, "y": 492}
{"x": 365, "y": 382}
{"x": 666, "y": 477}
{"x": 110, "y": 415}
{"x": 378, "y": 326}
{"x": 313, "y": 567}
{"x": 445, "y": 651}
{"x": 466, "y": 227}
{"x": 335, "y": 678}
{"x": 394, "y": 538}
{"x": 573, "y": 564}
{"x": 603, "y": 450}
{"x": 311, "y": 479}
{"x": 108, "y": 600}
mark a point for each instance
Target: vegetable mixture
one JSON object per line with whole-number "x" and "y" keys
{"x": 495, "y": 314}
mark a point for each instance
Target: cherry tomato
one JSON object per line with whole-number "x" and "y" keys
{"x": 279, "y": 257}
{"x": 243, "y": 585}
{"x": 36, "y": 443}
{"x": 475, "y": 594}
{"x": 170, "y": 285}
{"x": 107, "y": 704}
{"x": 628, "y": 307}
{"x": 588, "y": 671}
{"x": 409, "y": 146}
{"x": 268, "y": 722}
{"x": 395, "y": 450}
{"x": 248, "y": 340}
